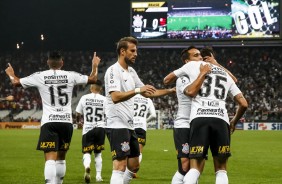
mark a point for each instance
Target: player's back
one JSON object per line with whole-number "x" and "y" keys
{"x": 93, "y": 107}
{"x": 142, "y": 106}
{"x": 210, "y": 100}
{"x": 55, "y": 88}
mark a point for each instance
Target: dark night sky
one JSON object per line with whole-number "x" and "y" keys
{"x": 66, "y": 24}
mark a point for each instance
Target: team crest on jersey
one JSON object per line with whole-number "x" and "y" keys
{"x": 125, "y": 146}
{"x": 185, "y": 148}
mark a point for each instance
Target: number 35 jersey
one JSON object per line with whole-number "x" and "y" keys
{"x": 92, "y": 106}
{"x": 210, "y": 100}
{"x": 55, "y": 88}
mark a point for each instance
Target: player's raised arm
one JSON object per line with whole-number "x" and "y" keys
{"x": 10, "y": 72}
{"x": 92, "y": 78}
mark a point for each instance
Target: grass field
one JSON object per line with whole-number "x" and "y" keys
{"x": 256, "y": 159}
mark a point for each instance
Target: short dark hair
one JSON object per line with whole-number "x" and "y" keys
{"x": 55, "y": 55}
{"x": 98, "y": 83}
{"x": 123, "y": 43}
{"x": 184, "y": 53}
{"x": 207, "y": 51}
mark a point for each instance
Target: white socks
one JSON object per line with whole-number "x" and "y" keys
{"x": 50, "y": 171}
{"x": 98, "y": 164}
{"x": 221, "y": 177}
{"x": 140, "y": 157}
{"x": 117, "y": 177}
{"x": 60, "y": 171}
{"x": 54, "y": 171}
{"x": 177, "y": 178}
{"x": 192, "y": 176}
{"x": 86, "y": 160}
{"x": 127, "y": 177}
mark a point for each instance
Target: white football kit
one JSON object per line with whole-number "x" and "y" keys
{"x": 142, "y": 107}
{"x": 92, "y": 106}
{"x": 182, "y": 119}
{"x": 210, "y": 101}
{"x": 120, "y": 115}
{"x": 55, "y": 88}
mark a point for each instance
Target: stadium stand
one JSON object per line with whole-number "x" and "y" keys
{"x": 257, "y": 68}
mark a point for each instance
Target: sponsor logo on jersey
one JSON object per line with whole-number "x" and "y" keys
{"x": 185, "y": 148}
{"x": 215, "y": 112}
{"x": 125, "y": 146}
{"x": 60, "y": 117}
{"x": 213, "y": 103}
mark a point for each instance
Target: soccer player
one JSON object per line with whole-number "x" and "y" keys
{"x": 92, "y": 106}
{"x": 7, "y": 98}
{"x": 144, "y": 112}
{"x": 55, "y": 87}
{"x": 210, "y": 125}
{"x": 121, "y": 84}
{"x": 181, "y": 129}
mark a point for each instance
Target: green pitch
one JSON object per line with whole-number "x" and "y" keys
{"x": 256, "y": 159}
{"x": 199, "y": 23}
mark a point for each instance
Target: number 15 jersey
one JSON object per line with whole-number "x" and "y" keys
{"x": 55, "y": 88}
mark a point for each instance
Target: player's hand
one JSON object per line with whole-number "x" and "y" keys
{"x": 205, "y": 69}
{"x": 96, "y": 60}
{"x": 10, "y": 71}
{"x": 232, "y": 127}
{"x": 10, "y": 98}
{"x": 210, "y": 59}
{"x": 148, "y": 89}
{"x": 172, "y": 90}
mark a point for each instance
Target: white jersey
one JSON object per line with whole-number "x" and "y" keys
{"x": 210, "y": 101}
{"x": 142, "y": 108}
{"x": 120, "y": 115}
{"x": 182, "y": 119}
{"x": 55, "y": 88}
{"x": 92, "y": 106}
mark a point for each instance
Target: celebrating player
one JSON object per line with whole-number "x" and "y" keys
{"x": 92, "y": 106}
{"x": 55, "y": 87}
{"x": 144, "y": 112}
{"x": 121, "y": 84}
{"x": 210, "y": 125}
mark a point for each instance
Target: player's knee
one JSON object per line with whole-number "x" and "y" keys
{"x": 183, "y": 166}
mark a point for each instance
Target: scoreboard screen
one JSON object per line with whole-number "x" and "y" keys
{"x": 149, "y": 19}
{"x": 205, "y": 19}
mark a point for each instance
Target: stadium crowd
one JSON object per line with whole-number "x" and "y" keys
{"x": 258, "y": 70}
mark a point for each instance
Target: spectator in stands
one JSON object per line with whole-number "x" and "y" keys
{"x": 55, "y": 87}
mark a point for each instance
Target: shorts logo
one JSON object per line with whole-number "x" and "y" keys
{"x": 224, "y": 149}
{"x": 196, "y": 149}
{"x": 125, "y": 146}
{"x": 185, "y": 148}
{"x": 47, "y": 145}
